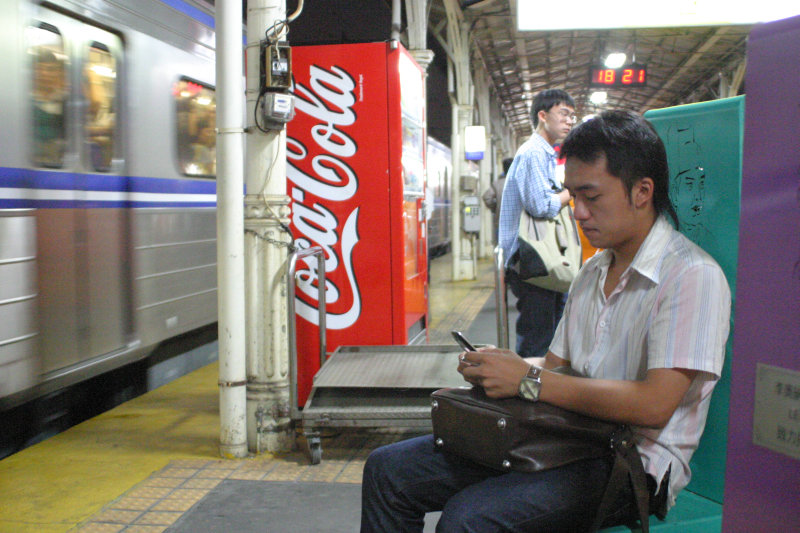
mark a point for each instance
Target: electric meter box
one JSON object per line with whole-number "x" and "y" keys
{"x": 471, "y": 214}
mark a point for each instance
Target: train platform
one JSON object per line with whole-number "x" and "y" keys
{"x": 152, "y": 464}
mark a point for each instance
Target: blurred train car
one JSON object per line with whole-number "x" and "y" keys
{"x": 439, "y": 171}
{"x": 107, "y": 188}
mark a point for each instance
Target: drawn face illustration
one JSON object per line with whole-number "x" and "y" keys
{"x": 689, "y": 194}
{"x": 688, "y": 185}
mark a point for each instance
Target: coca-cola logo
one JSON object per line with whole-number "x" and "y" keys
{"x": 328, "y": 100}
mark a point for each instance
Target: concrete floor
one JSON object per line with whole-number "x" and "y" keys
{"x": 152, "y": 464}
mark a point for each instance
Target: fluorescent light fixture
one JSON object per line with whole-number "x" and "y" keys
{"x": 585, "y": 14}
{"x": 616, "y": 60}
{"x": 598, "y": 97}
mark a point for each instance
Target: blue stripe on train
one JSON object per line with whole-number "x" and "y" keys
{"x": 192, "y": 11}
{"x": 30, "y": 188}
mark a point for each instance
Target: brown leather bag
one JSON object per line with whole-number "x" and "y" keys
{"x": 515, "y": 434}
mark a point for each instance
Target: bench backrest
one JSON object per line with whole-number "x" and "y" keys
{"x": 704, "y": 150}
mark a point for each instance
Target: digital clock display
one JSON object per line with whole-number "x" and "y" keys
{"x": 630, "y": 76}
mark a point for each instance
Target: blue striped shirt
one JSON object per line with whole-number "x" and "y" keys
{"x": 530, "y": 185}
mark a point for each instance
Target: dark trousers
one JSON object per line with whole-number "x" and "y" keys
{"x": 405, "y": 480}
{"x": 539, "y": 313}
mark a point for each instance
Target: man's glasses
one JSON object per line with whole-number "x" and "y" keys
{"x": 567, "y": 116}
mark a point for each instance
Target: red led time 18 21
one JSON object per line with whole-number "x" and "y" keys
{"x": 630, "y": 76}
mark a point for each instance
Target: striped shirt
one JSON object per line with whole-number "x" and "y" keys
{"x": 530, "y": 183}
{"x": 670, "y": 309}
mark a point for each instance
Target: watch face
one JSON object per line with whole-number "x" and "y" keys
{"x": 529, "y": 388}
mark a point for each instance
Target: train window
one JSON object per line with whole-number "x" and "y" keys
{"x": 49, "y": 92}
{"x": 197, "y": 141}
{"x": 100, "y": 76}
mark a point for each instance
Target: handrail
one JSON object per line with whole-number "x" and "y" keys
{"x": 291, "y": 272}
{"x": 500, "y": 298}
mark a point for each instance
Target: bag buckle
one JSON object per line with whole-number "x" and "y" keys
{"x": 622, "y": 439}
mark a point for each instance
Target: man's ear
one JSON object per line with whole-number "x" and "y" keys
{"x": 542, "y": 114}
{"x": 643, "y": 192}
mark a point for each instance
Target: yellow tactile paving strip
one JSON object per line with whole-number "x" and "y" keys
{"x": 155, "y": 456}
{"x": 159, "y": 501}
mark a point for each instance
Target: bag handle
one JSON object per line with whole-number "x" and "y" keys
{"x": 627, "y": 466}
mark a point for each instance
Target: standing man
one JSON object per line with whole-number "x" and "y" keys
{"x": 531, "y": 185}
{"x": 645, "y": 327}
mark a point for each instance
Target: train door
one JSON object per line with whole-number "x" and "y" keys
{"x": 76, "y": 154}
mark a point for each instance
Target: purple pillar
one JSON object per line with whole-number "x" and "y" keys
{"x": 762, "y": 486}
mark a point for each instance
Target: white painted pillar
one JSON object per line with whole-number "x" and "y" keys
{"x": 482, "y": 97}
{"x": 460, "y": 81}
{"x": 230, "y": 230}
{"x": 269, "y": 426}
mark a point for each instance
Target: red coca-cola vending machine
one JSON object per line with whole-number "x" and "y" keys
{"x": 356, "y": 180}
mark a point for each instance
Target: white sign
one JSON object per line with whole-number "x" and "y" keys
{"x": 474, "y": 142}
{"x": 588, "y": 14}
{"x": 776, "y": 417}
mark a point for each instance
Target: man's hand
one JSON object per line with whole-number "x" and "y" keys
{"x": 564, "y": 197}
{"x": 498, "y": 371}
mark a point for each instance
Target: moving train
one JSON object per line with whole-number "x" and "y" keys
{"x": 107, "y": 186}
{"x": 108, "y": 190}
{"x": 439, "y": 181}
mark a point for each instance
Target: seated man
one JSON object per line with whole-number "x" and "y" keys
{"x": 646, "y": 320}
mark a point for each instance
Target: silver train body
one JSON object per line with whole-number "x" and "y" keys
{"x": 112, "y": 249}
{"x": 109, "y": 249}
{"x": 440, "y": 179}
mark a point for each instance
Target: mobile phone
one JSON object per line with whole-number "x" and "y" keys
{"x": 462, "y": 341}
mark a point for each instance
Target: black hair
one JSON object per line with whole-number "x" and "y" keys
{"x": 632, "y": 148}
{"x": 547, "y": 99}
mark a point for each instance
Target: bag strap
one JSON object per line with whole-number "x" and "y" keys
{"x": 627, "y": 466}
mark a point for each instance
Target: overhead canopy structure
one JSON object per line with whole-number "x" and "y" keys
{"x": 684, "y": 64}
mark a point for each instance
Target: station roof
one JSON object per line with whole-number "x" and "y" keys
{"x": 684, "y": 64}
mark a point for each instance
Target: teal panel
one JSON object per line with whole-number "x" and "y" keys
{"x": 691, "y": 514}
{"x": 704, "y": 150}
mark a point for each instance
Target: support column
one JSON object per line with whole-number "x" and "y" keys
{"x": 230, "y": 241}
{"x": 267, "y": 242}
{"x": 461, "y": 97}
{"x": 417, "y": 28}
{"x": 462, "y": 246}
{"x": 423, "y": 57}
{"x": 482, "y": 97}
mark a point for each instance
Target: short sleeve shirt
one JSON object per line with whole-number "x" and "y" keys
{"x": 670, "y": 309}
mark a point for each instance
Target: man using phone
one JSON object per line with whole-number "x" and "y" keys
{"x": 645, "y": 326}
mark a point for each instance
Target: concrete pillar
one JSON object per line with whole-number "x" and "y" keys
{"x": 423, "y": 57}
{"x": 460, "y": 81}
{"x": 463, "y": 251}
{"x": 267, "y": 243}
{"x": 230, "y": 240}
{"x": 482, "y": 97}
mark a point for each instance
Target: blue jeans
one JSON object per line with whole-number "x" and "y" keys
{"x": 405, "y": 480}
{"x": 539, "y": 313}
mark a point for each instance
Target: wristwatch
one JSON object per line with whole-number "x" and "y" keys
{"x": 531, "y": 384}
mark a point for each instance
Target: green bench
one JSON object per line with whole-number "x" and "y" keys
{"x": 704, "y": 141}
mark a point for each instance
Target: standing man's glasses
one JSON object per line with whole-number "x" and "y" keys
{"x": 567, "y": 116}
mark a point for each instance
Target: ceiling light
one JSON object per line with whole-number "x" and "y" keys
{"x": 598, "y": 97}
{"x": 616, "y": 60}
